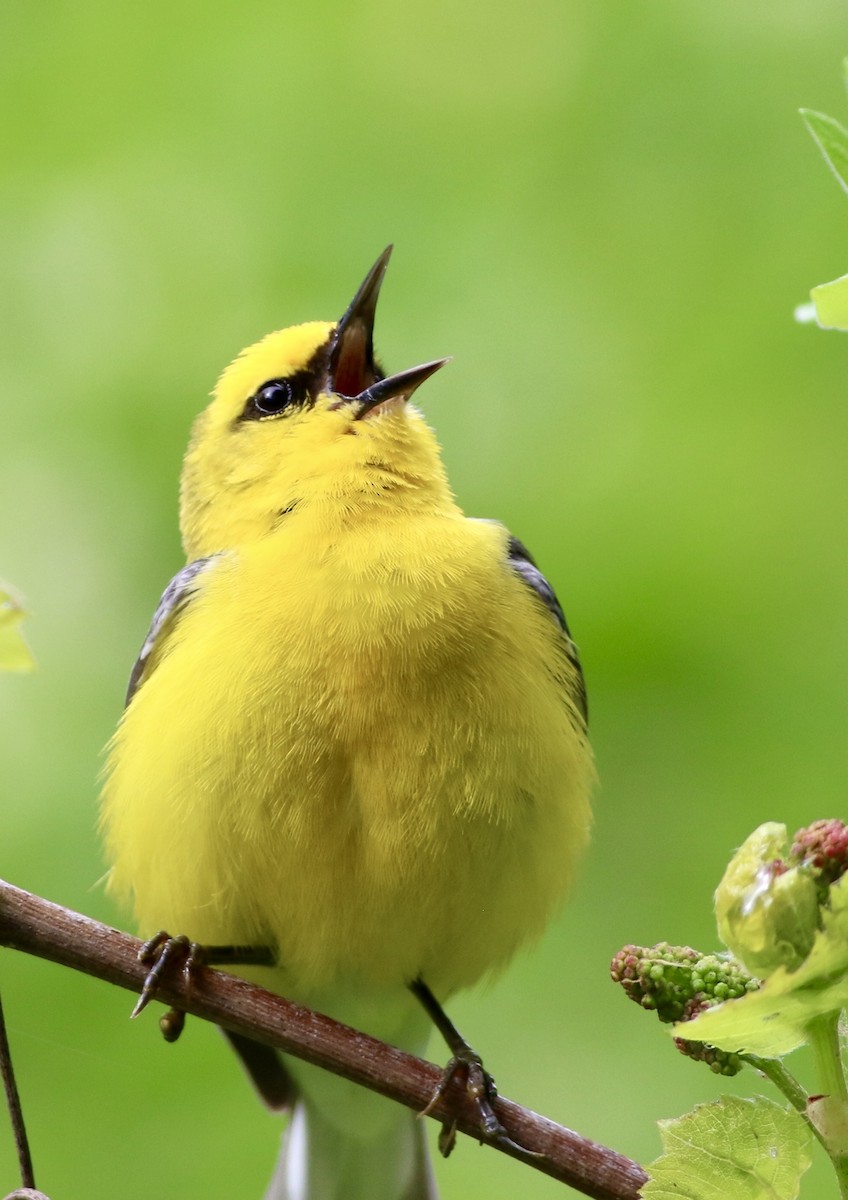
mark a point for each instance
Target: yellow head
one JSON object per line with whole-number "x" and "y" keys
{"x": 305, "y": 421}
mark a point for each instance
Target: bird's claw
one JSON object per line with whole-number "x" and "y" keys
{"x": 465, "y": 1069}
{"x": 162, "y": 952}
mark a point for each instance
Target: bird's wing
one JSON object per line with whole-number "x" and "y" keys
{"x": 522, "y": 562}
{"x": 175, "y": 597}
{"x": 262, "y": 1063}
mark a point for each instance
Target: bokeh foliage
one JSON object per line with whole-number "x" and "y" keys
{"x": 606, "y": 212}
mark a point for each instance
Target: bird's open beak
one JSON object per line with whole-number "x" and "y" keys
{"x": 396, "y": 387}
{"x": 352, "y": 373}
{"x": 351, "y": 367}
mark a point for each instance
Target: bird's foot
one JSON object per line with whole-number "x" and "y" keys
{"x": 465, "y": 1069}
{"x": 163, "y": 953}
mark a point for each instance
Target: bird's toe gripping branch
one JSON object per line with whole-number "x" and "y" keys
{"x": 465, "y": 1069}
{"x": 164, "y": 953}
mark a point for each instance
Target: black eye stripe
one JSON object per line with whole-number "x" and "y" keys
{"x": 276, "y": 397}
{"x": 284, "y": 394}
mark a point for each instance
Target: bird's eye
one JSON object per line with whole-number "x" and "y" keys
{"x": 276, "y": 397}
{"x": 273, "y": 397}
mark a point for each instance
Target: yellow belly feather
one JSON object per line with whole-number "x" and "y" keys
{"x": 395, "y": 788}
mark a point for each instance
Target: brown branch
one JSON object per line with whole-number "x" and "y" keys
{"x": 36, "y": 926}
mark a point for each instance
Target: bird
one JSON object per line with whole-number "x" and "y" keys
{"x": 356, "y": 732}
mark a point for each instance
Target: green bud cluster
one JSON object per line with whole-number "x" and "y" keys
{"x": 769, "y": 910}
{"x": 677, "y": 983}
{"x": 720, "y": 1062}
{"x": 659, "y": 978}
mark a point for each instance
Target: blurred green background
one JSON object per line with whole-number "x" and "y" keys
{"x": 606, "y": 213}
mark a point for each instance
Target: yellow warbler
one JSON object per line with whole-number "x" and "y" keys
{"x": 356, "y": 732}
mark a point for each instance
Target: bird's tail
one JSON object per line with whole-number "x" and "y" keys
{"x": 325, "y": 1158}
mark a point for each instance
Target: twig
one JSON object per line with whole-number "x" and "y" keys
{"x": 13, "y": 1102}
{"x": 36, "y": 926}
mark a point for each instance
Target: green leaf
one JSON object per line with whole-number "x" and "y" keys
{"x": 832, "y": 139}
{"x": 733, "y": 1149}
{"x": 15, "y": 654}
{"x": 772, "y": 1021}
{"x": 831, "y": 303}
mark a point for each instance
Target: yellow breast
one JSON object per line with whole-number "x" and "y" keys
{"x": 360, "y": 749}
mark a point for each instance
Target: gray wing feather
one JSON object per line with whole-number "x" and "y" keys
{"x": 522, "y": 562}
{"x": 175, "y": 597}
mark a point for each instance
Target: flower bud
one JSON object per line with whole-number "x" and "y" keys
{"x": 823, "y": 848}
{"x": 767, "y": 912}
